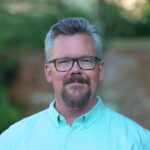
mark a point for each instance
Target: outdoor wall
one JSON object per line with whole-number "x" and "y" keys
{"x": 127, "y": 83}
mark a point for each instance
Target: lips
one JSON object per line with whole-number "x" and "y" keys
{"x": 75, "y": 84}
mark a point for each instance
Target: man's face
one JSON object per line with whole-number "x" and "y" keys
{"x": 77, "y": 87}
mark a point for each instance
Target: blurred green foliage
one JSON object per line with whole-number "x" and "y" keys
{"x": 26, "y": 31}
{"x": 8, "y": 113}
{"x": 118, "y": 23}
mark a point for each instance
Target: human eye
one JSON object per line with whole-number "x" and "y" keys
{"x": 63, "y": 64}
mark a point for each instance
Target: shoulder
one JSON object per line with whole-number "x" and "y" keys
{"x": 123, "y": 122}
{"x": 24, "y": 126}
{"x": 31, "y": 120}
{"x": 128, "y": 129}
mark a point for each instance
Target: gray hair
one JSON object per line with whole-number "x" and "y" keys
{"x": 72, "y": 26}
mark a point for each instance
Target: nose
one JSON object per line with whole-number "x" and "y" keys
{"x": 75, "y": 68}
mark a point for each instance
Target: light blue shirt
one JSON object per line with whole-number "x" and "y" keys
{"x": 99, "y": 129}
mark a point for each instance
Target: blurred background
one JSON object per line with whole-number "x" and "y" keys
{"x": 125, "y": 27}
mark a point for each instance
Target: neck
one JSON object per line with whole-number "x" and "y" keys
{"x": 70, "y": 114}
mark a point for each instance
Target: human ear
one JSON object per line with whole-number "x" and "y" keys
{"x": 47, "y": 71}
{"x": 101, "y": 70}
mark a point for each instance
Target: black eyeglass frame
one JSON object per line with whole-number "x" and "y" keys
{"x": 75, "y": 60}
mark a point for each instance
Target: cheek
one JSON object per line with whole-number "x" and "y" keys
{"x": 94, "y": 77}
{"x": 57, "y": 81}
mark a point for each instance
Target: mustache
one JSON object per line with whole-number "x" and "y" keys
{"x": 76, "y": 78}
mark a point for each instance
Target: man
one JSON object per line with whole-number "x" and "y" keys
{"x": 77, "y": 119}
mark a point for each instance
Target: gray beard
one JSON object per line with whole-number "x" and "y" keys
{"x": 71, "y": 102}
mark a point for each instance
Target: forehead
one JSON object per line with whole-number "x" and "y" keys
{"x": 73, "y": 46}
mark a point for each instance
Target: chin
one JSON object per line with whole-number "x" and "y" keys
{"x": 76, "y": 99}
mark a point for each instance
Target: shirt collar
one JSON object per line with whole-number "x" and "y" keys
{"x": 94, "y": 113}
{"x": 54, "y": 115}
{"x": 86, "y": 119}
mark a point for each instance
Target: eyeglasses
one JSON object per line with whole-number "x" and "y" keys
{"x": 66, "y": 64}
